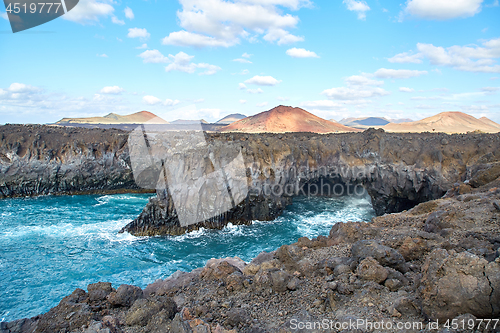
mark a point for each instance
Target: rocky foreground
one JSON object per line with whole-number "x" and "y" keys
{"x": 437, "y": 261}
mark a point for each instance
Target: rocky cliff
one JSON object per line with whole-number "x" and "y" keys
{"x": 40, "y": 160}
{"x": 397, "y": 171}
{"x": 434, "y": 267}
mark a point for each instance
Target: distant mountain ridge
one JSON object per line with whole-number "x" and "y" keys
{"x": 446, "y": 122}
{"x": 367, "y": 122}
{"x": 283, "y": 119}
{"x": 113, "y": 118}
{"x": 229, "y": 119}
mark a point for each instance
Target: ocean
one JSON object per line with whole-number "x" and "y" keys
{"x": 51, "y": 245}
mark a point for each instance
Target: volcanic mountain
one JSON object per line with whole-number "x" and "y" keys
{"x": 447, "y": 122}
{"x": 229, "y": 119}
{"x": 367, "y": 122}
{"x": 113, "y": 118}
{"x": 489, "y": 122}
{"x": 286, "y": 119}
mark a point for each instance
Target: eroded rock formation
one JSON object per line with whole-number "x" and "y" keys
{"x": 437, "y": 261}
{"x": 40, "y": 160}
{"x": 397, "y": 171}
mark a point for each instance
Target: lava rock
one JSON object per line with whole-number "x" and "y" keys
{"x": 459, "y": 283}
{"x": 125, "y": 295}
{"x": 369, "y": 269}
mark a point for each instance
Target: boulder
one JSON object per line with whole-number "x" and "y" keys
{"x": 349, "y": 232}
{"x": 385, "y": 255}
{"x": 218, "y": 270}
{"x": 369, "y": 269}
{"x": 144, "y": 309}
{"x": 414, "y": 248}
{"x": 280, "y": 280}
{"x": 125, "y": 295}
{"x": 99, "y": 291}
{"x": 457, "y": 283}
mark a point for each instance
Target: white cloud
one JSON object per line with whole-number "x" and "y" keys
{"x": 138, "y": 33}
{"x": 263, "y": 81}
{"x": 184, "y": 38}
{"x": 246, "y": 55}
{"x": 182, "y": 62}
{"x": 89, "y": 11}
{"x": 21, "y": 88}
{"x": 362, "y": 80}
{"x": 470, "y": 58}
{"x": 243, "y": 61}
{"x": 425, "y": 107}
{"x": 255, "y": 91}
{"x": 301, "y": 53}
{"x": 281, "y": 37}
{"x": 129, "y": 13}
{"x": 143, "y": 46}
{"x": 153, "y": 57}
{"x": 261, "y": 105}
{"x": 170, "y": 102}
{"x": 344, "y": 93}
{"x": 223, "y": 23}
{"x": 441, "y": 10}
{"x": 405, "y": 57}
{"x": 4, "y": 16}
{"x": 112, "y": 90}
{"x": 357, "y": 6}
{"x": 282, "y": 99}
{"x": 398, "y": 73}
{"x": 152, "y": 100}
{"x": 243, "y": 101}
{"x": 104, "y": 55}
{"x": 465, "y": 58}
{"x": 359, "y": 87}
{"x": 115, "y": 20}
{"x": 242, "y": 86}
{"x": 405, "y": 89}
{"x": 209, "y": 69}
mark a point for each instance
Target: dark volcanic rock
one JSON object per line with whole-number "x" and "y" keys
{"x": 397, "y": 170}
{"x": 385, "y": 255}
{"x": 125, "y": 295}
{"x": 452, "y": 275}
{"x": 40, "y": 160}
{"x": 458, "y": 283}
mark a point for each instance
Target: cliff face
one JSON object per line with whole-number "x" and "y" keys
{"x": 397, "y": 171}
{"x": 39, "y": 160}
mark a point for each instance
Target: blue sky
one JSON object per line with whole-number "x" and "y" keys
{"x": 195, "y": 59}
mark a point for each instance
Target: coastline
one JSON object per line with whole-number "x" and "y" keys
{"x": 404, "y": 267}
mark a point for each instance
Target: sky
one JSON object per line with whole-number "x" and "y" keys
{"x": 193, "y": 59}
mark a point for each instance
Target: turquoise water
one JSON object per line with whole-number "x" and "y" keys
{"x": 51, "y": 245}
